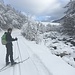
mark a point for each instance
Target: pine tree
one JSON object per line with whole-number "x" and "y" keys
{"x": 70, "y": 7}
{"x": 69, "y": 20}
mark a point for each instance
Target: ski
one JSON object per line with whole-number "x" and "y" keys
{"x": 6, "y": 65}
{"x": 20, "y": 62}
{"x": 13, "y": 65}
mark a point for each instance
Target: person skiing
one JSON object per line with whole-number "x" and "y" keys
{"x": 9, "y": 47}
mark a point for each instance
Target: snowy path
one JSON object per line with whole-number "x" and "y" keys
{"x": 39, "y": 66}
{"x": 41, "y": 61}
{"x": 54, "y": 64}
{"x": 32, "y": 66}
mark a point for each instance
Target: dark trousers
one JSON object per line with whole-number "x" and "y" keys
{"x": 74, "y": 59}
{"x": 9, "y": 54}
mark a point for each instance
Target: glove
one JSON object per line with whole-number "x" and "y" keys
{"x": 16, "y": 39}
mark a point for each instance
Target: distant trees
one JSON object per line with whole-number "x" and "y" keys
{"x": 50, "y": 27}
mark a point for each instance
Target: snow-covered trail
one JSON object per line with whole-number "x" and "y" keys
{"x": 41, "y": 61}
{"x": 53, "y": 64}
{"x": 34, "y": 59}
{"x": 40, "y": 67}
{"x": 32, "y": 66}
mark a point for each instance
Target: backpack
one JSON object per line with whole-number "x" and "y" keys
{"x": 3, "y": 39}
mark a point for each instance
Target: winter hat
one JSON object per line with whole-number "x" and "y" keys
{"x": 9, "y": 29}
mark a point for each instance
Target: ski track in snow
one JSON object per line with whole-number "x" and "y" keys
{"x": 41, "y": 68}
{"x": 39, "y": 64}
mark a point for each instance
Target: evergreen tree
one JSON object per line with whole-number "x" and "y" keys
{"x": 69, "y": 20}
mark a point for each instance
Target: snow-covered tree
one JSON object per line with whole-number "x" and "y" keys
{"x": 9, "y": 17}
{"x": 69, "y": 25}
{"x": 69, "y": 19}
{"x": 29, "y": 30}
{"x": 70, "y": 7}
{"x": 32, "y": 30}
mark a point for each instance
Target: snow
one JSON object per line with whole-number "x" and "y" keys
{"x": 41, "y": 61}
{"x": 9, "y": 17}
{"x": 46, "y": 23}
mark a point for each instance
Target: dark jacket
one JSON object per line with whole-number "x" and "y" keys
{"x": 9, "y": 39}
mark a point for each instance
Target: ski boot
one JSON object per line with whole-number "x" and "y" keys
{"x": 13, "y": 63}
{"x": 7, "y": 63}
{"x": 74, "y": 59}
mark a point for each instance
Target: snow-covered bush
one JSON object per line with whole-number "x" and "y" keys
{"x": 29, "y": 31}
{"x": 42, "y": 28}
{"x": 33, "y": 30}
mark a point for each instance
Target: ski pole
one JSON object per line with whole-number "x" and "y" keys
{"x": 19, "y": 51}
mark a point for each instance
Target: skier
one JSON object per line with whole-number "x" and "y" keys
{"x": 9, "y": 47}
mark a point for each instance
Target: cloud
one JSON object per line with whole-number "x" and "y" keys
{"x": 40, "y": 7}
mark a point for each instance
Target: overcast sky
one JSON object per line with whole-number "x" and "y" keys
{"x": 40, "y": 9}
